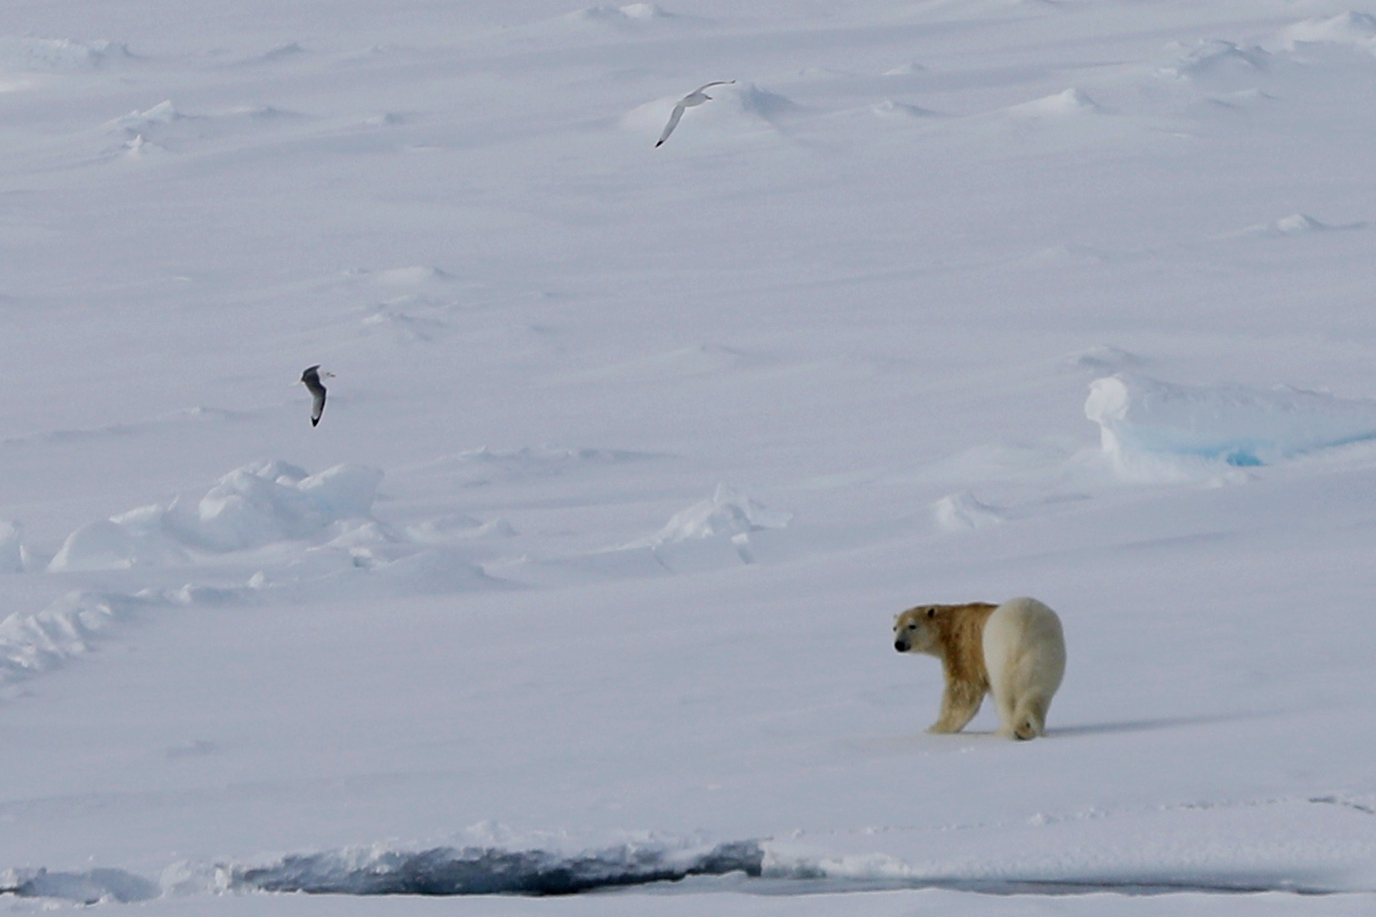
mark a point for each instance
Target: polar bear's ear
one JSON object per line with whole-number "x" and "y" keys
{"x": 931, "y": 611}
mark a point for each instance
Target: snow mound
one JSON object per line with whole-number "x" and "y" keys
{"x": 710, "y": 534}
{"x": 426, "y": 572}
{"x": 162, "y": 113}
{"x": 282, "y": 52}
{"x": 11, "y": 547}
{"x": 1296, "y": 224}
{"x": 165, "y": 126}
{"x": 734, "y": 109}
{"x": 901, "y": 111}
{"x": 605, "y": 21}
{"x": 403, "y": 326}
{"x": 59, "y": 54}
{"x": 491, "y": 870}
{"x": 1235, "y": 424}
{"x": 1350, "y": 28}
{"x": 1104, "y": 358}
{"x": 263, "y": 113}
{"x": 632, "y": 13}
{"x": 1069, "y": 103}
{"x": 728, "y": 514}
{"x": 270, "y": 501}
{"x": 751, "y": 99}
{"x": 1215, "y": 57}
{"x": 458, "y": 528}
{"x": 252, "y": 506}
{"x": 413, "y": 276}
{"x": 140, "y": 147}
{"x": 107, "y": 544}
{"x": 961, "y": 512}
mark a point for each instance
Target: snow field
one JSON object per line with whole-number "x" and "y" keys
{"x": 632, "y": 453}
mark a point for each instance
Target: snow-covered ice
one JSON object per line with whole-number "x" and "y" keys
{"x": 585, "y": 582}
{"x": 1233, "y": 423}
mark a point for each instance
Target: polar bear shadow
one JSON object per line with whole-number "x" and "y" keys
{"x": 1149, "y": 725}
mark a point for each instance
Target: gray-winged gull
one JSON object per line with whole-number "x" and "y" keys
{"x": 311, "y": 380}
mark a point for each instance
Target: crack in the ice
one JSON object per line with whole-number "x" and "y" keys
{"x": 84, "y": 887}
{"x": 1345, "y": 803}
{"x": 744, "y": 865}
{"x": 488, "y": 871}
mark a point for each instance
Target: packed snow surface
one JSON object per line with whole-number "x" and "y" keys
{"x": 584, "y": 582}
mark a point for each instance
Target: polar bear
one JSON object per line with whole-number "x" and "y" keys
{"x": 1016, "y": 651}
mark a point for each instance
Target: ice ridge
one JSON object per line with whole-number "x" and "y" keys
{"x": 1237, "y": 424}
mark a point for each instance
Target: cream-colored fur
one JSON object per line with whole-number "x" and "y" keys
{"x": 1015, "y": 651}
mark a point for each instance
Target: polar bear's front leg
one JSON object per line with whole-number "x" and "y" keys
{"x": 959, "y": 704}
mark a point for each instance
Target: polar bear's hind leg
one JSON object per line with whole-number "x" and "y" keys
{"x": 1029, "y": 719}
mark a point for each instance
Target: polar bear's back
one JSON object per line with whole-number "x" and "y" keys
{"x": 1024, "y": 650}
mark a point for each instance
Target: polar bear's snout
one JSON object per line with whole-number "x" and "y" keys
{"x": 901, "y": 641}
{"x": 909, "y": 632}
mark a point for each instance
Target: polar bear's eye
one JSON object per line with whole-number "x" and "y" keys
{"x": 912, "y": 626}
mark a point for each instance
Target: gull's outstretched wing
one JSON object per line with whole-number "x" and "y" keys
{"x": 311, "y": 380}
{"x": 673, "y": 123}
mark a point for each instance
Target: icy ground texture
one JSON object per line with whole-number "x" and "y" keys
{"x": 585, "y": 578}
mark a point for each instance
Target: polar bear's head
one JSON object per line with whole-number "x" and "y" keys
{"x": 914, "y": 630}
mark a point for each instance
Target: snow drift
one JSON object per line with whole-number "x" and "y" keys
{"x": 11, "y": 547}
{"x": 1215, "y": 58}
{"x": 78, "y": 621}
{"x": 35, "y": 643}
{"x": 735, "y": 110}
{"x": 252, "y": 506}
{"x": 58, "y": 54}
{"x": 712, "y": 533}
{"x": 1235, "y": 424}
{"x": 727, "y": 514}
{"x": 1070, "y": 102}
{"x": 1351, "y": 28}
{"x": 961, "y": 512}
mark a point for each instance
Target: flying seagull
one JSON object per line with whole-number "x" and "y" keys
{"x": 691, "y": 100}
{"x": 311, "y": 380}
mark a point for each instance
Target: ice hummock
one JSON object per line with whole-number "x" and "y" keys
{"x": 35, "y": 643}
{"x": 1236, "y": 424}
{"x": 711, "y": 533}
{"x": 728, "y": 513}
{"x": 251, "y": 506}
